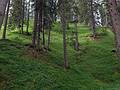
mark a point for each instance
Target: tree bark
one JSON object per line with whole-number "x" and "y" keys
{"x": 49, "y": 32}
{"x": 115, "y": 22}
{"x": 28, "y": 19}
{"x": 43, "y": 29}
{"x": 6, "y": 19}
{"x": 3, "y": 4}
{"x": 64, "y": 27}
{"x": 35, "y": 27}
{"x": 93, "y": 26}
{"x": 40, "y": 23}
{"x": 23, "y": 9}
{"x": 76, "y": 37}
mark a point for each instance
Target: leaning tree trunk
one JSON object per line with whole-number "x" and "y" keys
{"x": 64, "y": 27}
{"x": 3, "y": 4}
{"x": 115, "y": 22}
{"x": 6, "y": 19}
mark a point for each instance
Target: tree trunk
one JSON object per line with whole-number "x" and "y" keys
{"x": 64, "y": 27}
{"x": 3, "y": 4}
{"x": 6, "y": 19}
{"x": 115, "y": 22}
{"x": 49, "y": 33}
{"x": 50, "y": 20}
{"x": 23, "y": 9}
{"x": 28, "y": 12}
{"x": 76, "y": 37}
{"x": 43, "y": 31}
{"x": 93, "y": 27}
{"x": 40, "y": 23}
{"x": 35, "y": 27}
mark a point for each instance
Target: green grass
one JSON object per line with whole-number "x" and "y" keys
{"x": 94, "y": 67}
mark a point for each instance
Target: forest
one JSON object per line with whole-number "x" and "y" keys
{"x": 59, "y": 44}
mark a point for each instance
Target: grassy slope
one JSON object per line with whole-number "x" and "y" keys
{"x": 94, "y": 67}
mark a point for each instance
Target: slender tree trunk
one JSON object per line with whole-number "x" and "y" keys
{"x": 23, "y": 9}
{"x": 49, "y": 34}
{"x": 43, "y": 30}
{"x": 111, "y": 23}
{"x": 76, "y": 37}
{"x": 115, "y": 22}
{"x": 93, "y": 26}
{"x": 3, "y": 4}
{"x": 39, "y": 29}
{"x": 50, "y": 20}
{"x": 106, "y": 18}
{"x": 43, "y": 35}
{"x": 64, "y": 27}
{"x": 28, "y": 12}
{"x": 35, "y": 27}
{"x": 6, "y": 19}
{"x": 40, "y": 24}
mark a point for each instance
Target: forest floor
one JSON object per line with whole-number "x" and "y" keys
{"x": 94, "y": 67}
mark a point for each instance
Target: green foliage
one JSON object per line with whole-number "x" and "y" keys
{"x": 56, "y": 27}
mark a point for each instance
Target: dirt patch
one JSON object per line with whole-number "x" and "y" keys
{"x": 96, "y": 38}
{"x": 35, "y": 53}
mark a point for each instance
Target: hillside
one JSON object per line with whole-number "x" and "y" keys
{"x": 94, "y": 67}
